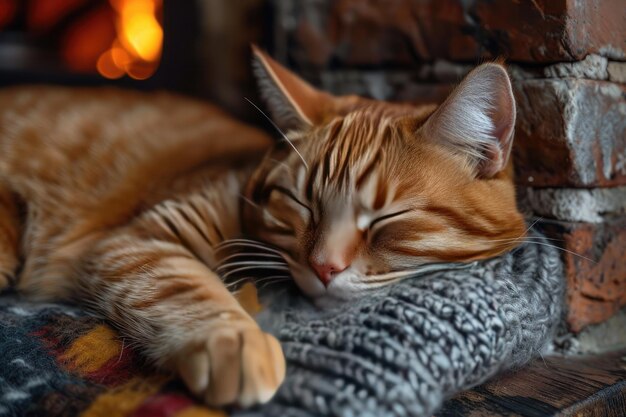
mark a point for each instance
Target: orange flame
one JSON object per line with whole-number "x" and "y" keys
{"x": 137, "y": 49}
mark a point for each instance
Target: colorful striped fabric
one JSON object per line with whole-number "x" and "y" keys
{"x": 56, "y": 361}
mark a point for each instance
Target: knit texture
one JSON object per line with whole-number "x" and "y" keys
{"x": 403, "y": 351}
{"x": 399, "y": 352}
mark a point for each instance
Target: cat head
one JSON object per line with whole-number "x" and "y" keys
{"x": 360, "y": 193}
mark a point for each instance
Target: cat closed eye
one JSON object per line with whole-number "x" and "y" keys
{"x": 287, "y": 193}
{"x": 380, "y": 219}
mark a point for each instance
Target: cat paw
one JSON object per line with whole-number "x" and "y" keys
{"x": 243, "y": 366}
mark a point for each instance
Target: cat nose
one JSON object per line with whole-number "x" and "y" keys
{"x": 326, "y": 270}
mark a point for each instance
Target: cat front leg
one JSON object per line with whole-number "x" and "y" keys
{"x": 184, "y": 319}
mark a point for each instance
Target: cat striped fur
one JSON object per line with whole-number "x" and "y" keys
{"x": 151, "y": 209}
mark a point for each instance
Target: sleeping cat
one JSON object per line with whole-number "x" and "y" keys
{"x": 128, "y": 203}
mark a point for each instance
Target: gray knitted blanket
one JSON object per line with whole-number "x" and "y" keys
{"x": 403, "y": 351}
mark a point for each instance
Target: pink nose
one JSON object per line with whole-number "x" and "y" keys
{"x": 326, "y": 270}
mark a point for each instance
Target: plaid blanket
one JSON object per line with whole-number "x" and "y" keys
{"x": 57, "y": 361}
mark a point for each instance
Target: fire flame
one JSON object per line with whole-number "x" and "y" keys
{"x": 136, "y": 51}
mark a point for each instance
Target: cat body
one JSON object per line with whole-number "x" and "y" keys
{"x": 123, "y": 202}
{"x": 87, "y": 162}
{"x": 117, "y": 200}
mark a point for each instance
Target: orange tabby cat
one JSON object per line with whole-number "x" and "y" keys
{"x": 123, "y": 201}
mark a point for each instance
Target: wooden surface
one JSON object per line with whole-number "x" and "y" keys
{"x": 575, "y": 386}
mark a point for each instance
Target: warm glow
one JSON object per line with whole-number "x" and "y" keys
{"x": 7, "y": 11}
{"x": 137, "y": 48}
{"x": 44, "y": 14}
{"x": 120, "y": 57}
{"x": 107, "y": 67}
{"x": 83, "y": 42}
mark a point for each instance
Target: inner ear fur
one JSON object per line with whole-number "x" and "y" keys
{"x": 478, "y": 119}
{"x": 293, "y": 103}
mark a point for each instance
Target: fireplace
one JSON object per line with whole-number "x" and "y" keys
{"x": 197, "y": 47}
{"x": 132, "y": 43}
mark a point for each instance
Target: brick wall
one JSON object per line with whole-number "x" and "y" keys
{"x": 567, "y": 59}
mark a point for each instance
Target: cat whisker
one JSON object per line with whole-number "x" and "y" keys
{"x": 392, "y": 276}
{"x": 272, "y": 279}
{"x": 267, "y": 280}
{"x": 532, "y": 224}
{"x": 263, "y": 279}
{"x": 239, "y": 239}
{"x": 247, "y": 268}
{"x": 523, "y": 235}
{"x": 229, "y": 285}
{"x": 383, "y": 282}
{"x": 244, "y": 263}
{"x": 247, "y": 200}
{"x": 534, "y": 242}
{"x": 397, "y": 275}
{"x": 279, "y": 131}
{"x": 267, "y": 284}
{"x": 244, "y": 239}
{"x": 246, "y": 243}
{"x": 248, "y": 246}
{"x": 250, "y": 255}
{"x": 566, "y": 250}
{"x": 525, "y": 239}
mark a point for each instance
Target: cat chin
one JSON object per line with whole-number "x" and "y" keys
{"x": 308, "y": 284}
{"x": 340, "y": 291}
{"x": 337, "y": 297}
{"x": 322, "y": 297}
{"x": 327, "y": 302}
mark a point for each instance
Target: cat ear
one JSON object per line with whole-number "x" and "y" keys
{"x": 478, "y": 119}
{"x": 293, "y": 102}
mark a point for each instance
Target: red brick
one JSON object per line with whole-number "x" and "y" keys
{"x": 570, "y": 133}
{"x": 349, "y": 33}
{"x": 595, "y": 268}
{"x": 591, "y": 205}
